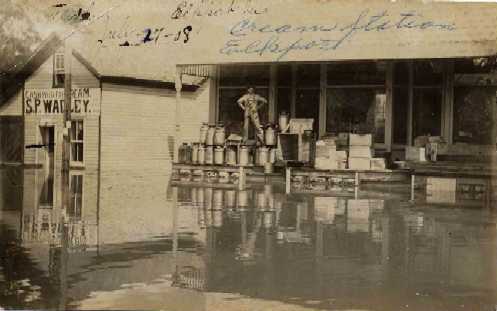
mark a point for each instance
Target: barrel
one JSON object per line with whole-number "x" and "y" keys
{"x": 270, "y": 136}
{"x": 243, "y": 157}
{"x": 201, "y": 154}
{"x": 210, "y": 135}
{"x": 209, "y": 155}
{"x": 219, "y": 155}
{"x": 219, "y": 136}
{"x": 203, "y": 133}
{"x": 231, "y": 155}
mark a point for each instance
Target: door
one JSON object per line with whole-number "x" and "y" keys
{"x": 47, "y": 160}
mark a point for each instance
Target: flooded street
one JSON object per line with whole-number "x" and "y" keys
{"x": 134, "y": 241}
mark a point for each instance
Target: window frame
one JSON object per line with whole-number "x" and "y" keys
{"x": 74, "y": 196}
{"x": 72, "y": 162}
{"x": 58, "y": 70}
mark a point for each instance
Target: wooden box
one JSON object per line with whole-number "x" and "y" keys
{"x": 360, "y": 140}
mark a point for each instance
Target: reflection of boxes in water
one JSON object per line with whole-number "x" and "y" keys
{"x": 360, "y": 152}
{"x": 378, "y": 164}
{"x": 441, "y": 190}
{"x": 360, "y": 140}
{"x": 324, "y": 209}
{"x": 358, "y": 216}
{"x": 376, "y": 205}
{"x": 359, "y": 163}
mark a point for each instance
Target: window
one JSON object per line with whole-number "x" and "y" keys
{"x": 427, "y": 98}
{"x": 356, "y": 99}
{"x": 77, "y": 141}
{"x": 76, "y": 190}
{"x": 233, "y": 83}
{"x": 58, "y": 71}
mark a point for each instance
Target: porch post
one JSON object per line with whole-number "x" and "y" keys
{"x": 389, "y": 108}
{"x": 410, "y": 104}
{"x": 272, "y": 93}
{"x": 178, "y": 86}
{"x": 322, "y": 101}
{"x": 293, "y": 98}
{"x": 448, "y": 103}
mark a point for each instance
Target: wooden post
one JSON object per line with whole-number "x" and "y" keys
{"x": 413, "y": 183}
{"x": 389, "y": 108}
{"x": 178, "y": 84}
{"x": 273, "y": 76}
{"x": 322, "y": 100}
{"x": 410, "y": 105}
{"x": 288, "y": 174}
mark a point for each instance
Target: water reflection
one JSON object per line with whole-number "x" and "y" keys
{"x": 133, "y": 242}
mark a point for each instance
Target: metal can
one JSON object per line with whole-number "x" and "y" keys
{"x": 262, "y": 156}
{"x": 270, "y": 136}
{"x": 219, "y": 155}
{"x": 219, "y": 136}
{"x": 231, "y": 155}
{"x": 243, "y": 156}
{"x": 195, "y": 153}
{"x": 201, "y": 154}
{"x": 230, "y": 198}
{"x": 209, "y": 155}
{"x": 203, "y": 133}
{"x": 210, "y": 135}
{"x": 283, "y": 122}
{"x": 242, "y": 198}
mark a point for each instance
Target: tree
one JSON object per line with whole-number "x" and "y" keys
{"x": 18, "y": 36}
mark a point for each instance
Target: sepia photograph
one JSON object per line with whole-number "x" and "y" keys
{"x": 248, "y": 155}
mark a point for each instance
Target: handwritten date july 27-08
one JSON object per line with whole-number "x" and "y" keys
{"x": 147, "y": 36}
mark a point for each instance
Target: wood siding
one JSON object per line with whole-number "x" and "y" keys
{"x": 136, "y": 125}
{"x": 194, "y": 111}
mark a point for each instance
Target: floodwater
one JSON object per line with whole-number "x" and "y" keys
{"x": 135, "y": 241}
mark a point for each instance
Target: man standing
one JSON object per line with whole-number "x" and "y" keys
{"x": 250, "y": 104}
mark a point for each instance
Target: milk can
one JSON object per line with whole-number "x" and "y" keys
{"x": 270, "y": 136}
{"x": 203, "y": 133}
{"x": 261, "y": 200}
{"x": 208, "y": 198}
{"x": 181, "y": 153}
{"x": 242, "y": 198}
{"x": 268, "y": 220}
{"x": 195, "y": 153}
{"x": 217, "y": 218}
{"x": 272, "y": 155}
{"x": 201, "y": 154}
{"x": 219, "y": 155}
{"x": 210, "y": 135}
{"x": 243, "y": 157}
{"x": 230, "y": 198}
{"x": 187, "y": 154}
{"x": 209, "y": 155}
{"x": 218, "y": 199}
{"x": 231, "y": 155}
{"x": 219, "y": 135}
{"x": 262, "y": 156}
{"x": 283, "y": 122}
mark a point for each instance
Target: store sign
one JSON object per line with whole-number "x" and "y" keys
{"x": 51, "y": 101}
{"x": 296, "y": 30}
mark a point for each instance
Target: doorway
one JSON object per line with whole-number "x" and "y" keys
{"x": 47, "y": 160}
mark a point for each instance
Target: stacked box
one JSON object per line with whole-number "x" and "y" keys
{"x": 358, "y": 215}
{"x": 378, "y": 164}
{"x": 327, "y": 157}
{"x": 360, "y": 151}
{"x": 415, "y": 154}
{"x": 324, "y": 209}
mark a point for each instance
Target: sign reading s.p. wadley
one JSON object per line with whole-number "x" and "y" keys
{"x": 51, "y": 101}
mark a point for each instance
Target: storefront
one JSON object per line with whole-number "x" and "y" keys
{"x": 396, "y": 101}
{"x": 393, "y": 70}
